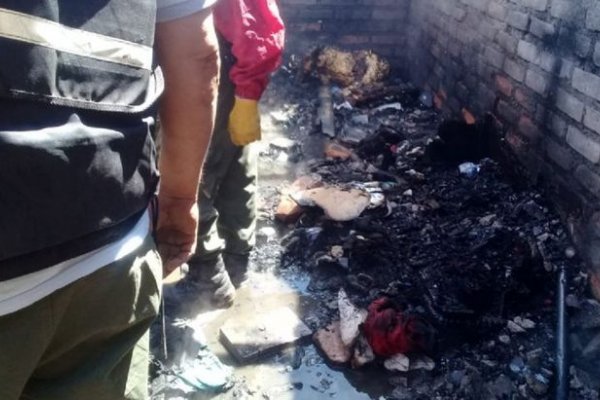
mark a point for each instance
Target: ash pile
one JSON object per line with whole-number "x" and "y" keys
{"x": 429, "y": 260}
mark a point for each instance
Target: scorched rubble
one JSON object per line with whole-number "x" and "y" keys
{"x": 472, "y": 255}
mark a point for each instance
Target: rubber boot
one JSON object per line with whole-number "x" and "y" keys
{"x": 237, "y": 267}
{"x": 210, "y": 275}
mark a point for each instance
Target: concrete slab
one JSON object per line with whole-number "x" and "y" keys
{"x": 262, "y": 333}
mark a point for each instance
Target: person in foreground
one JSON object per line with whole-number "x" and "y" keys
{"x": 80, "y": 247}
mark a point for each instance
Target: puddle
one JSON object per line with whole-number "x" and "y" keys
{"x": 297, "y": 372}
{"x": 313, "y": 380}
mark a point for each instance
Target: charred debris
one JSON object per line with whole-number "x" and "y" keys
{"x": 415, "y": 229}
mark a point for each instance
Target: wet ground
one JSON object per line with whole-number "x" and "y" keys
{"x": 496, "y": 366}
{"x": 298, "y": 372}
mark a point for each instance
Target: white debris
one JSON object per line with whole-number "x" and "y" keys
{"x": 399, "y": 362}
{"x": 514, "y": 328}
{"x": 422, "y": 362}
{"x": 338, "y": 204}
{"x": 416, "y": 151}
{"x": 279, "y": 116}
{"x": 337, "y": 251}
{"x": 267, "y": 232}
{"x": 345, "y": 106}
{"x": 504, "y": 339}
{"x": 487, "y": 220}
{"x": 351, "y": 317}
{"x": 390, "y": 106}
{"x": 284, "y": 144}
{"x": 416, "y": 174}
{"x": 377, "y": 199}
{"x": 524, "y": 323}
{"x": 469, "y": 169}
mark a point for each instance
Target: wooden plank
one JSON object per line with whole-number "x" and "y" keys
{"x": 326, "y": 115}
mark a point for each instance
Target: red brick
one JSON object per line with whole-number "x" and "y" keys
{"x": 443, "y": 94}
{"x": 385, "y": 39}
{"x": 384, "y": 2}
{"x": 504, "y": 85}
{"x": 506, "y": 112}
{"x": 337, "y": 151}
{"x": 438, "y": 102}
{"x": 306, "y": 27}
{"x": 468, "y": 117}
{"x": 439, "y": 99}
{"x": 524, "y": 99}
{"x": 529, "y": 129}
{"x": 595, "y": 284}
{"x": 515, "y": 142}
{"x": 288, "y": 211}
{"x": 354, "y": 39}
{"x": 389, "y": 14}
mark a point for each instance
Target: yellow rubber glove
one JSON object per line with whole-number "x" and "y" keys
{"x": 244, "y": 122}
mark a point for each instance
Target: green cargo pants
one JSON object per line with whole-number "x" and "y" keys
{"x": 87, "y": 341}
{"x": 228, "y": 187}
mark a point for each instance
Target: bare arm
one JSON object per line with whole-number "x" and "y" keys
{"x": 188, "y": 54}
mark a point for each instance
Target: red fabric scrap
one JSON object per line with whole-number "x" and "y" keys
{"x": 390, "y": 332}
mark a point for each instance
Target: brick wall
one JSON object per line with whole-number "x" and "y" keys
{"x": 535, "y": 64}
{"x": 350, "y": 24}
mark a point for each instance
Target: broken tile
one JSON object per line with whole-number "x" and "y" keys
{"x": 351, "y": 317}
{"x": 329, "y": 340}
{"x": 337, "y": 151}
{"x": 288, "y": 211}
{"x": 249, "y": 338}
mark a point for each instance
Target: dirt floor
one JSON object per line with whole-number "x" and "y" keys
{"x": 472, "y": 255}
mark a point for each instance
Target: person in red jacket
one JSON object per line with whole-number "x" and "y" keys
{"x": 251, "y": 36}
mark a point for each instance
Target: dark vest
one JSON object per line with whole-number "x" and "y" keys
{"x": 77, "y": 156}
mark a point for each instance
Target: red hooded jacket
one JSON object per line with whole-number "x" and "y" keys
{"x": 256, "y": 33}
